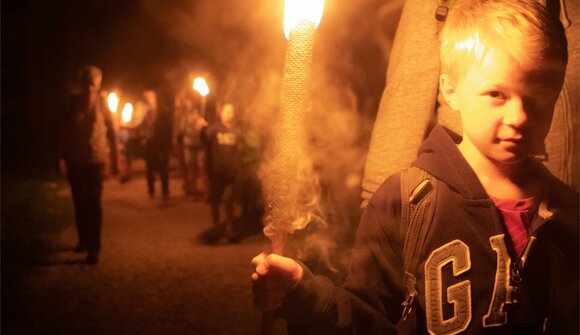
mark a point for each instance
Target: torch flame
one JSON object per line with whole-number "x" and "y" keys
{"x": 299, "y": 10}
{"x": 200, "y": 86}
{"x": 113, "y": 101}
{"x": 127, "y": 113}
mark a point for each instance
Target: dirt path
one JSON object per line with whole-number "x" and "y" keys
{"x": 154, "y": 276}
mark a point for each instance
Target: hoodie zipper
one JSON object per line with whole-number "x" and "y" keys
{"x": 517, "y": 268}
{"x": 516, "y": 272}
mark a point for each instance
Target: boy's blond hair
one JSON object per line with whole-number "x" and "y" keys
{"x": 524, "y": 29}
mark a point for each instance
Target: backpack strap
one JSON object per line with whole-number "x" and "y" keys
{"x": 418, "y": 197}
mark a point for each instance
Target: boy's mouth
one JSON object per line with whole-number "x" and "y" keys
{"x": 512, "y": 143}
{"x": 512, "y": 139}
{"x": 515, "y": 137}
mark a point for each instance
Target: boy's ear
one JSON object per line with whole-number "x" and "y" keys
{"x": 448, "y": 91}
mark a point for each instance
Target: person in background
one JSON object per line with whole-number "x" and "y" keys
{"x": 87, "y": 152}
{"x": 223, "y": 162}
{"x": 190, "y": 128}
{"x": 155, "y": 131}
{"x": 178, "y": 117}
{"x": 500, "y": 255}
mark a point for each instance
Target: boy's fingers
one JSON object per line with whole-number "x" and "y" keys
{"x": 285, "y": 267}
{"x": 254, "y": 277}
{"x": 281, "y": 264}
{"x": 258, "y": 259}
{"x": 273, "y": 265}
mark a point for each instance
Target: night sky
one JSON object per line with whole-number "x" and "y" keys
{"x": 152, "y": 44}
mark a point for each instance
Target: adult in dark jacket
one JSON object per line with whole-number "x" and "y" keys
{"x": 156, "y": 133}
{"x": 87, "y": 144}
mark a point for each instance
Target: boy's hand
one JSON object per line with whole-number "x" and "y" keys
{"x": 274, "y": 276}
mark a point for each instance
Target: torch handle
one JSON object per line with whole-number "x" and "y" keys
{"x": 268, "y": 319}
{"x": 267, "y": 327}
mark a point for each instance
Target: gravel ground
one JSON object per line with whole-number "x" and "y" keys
{"x": 154, "y": 276}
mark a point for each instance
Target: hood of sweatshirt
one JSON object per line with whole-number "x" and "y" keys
{"x": 440, "y": 156}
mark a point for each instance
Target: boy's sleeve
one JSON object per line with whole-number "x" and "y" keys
{"x": 369, "y": 302}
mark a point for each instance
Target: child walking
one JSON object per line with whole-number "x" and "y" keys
{"x": 501, "y": 252}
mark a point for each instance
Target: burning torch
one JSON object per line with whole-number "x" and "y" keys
{"x": 200, "y": 85}
{"x": 127, "y": 113}
{"x": 113, "y": 102}
{"x": 288, "y": 171}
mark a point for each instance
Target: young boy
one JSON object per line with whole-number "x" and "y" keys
{"x": 223, "y": 161}
{"x": 501, "y": 254}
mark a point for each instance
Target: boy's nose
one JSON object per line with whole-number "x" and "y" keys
{"x": 516, "y": 115}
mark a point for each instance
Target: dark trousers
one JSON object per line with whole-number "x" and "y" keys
{"x": 157, "y": 162}
{"x": 218, "y": 185}
{"x": 87, "y": 187}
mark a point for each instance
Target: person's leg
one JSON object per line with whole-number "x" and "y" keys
{"x": 76, "y": 180}
{"x": 229, "y": 202}
{"x": 164, "y": 173}
{"x": 194, "y": 170}
{"x": 203, "y": 174}
{"x": 181, "y": 153}
{"x": 215, "y": 233}
{"x": 187, "y": 162}
{"x": 216, "y": 190}
{"x": 150, "y": 171}
{"x": 95, "y": 212}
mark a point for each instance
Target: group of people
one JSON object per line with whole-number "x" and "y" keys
{"x": 218, "y": 160}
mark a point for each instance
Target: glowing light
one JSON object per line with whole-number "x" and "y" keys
{"x": 296, "y": 11}
{"x": 113, "y": 102}
{"x": 200, "y": 86}
{"x": 127, "y": 113}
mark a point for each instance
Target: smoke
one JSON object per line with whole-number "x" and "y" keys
{"x": 242, "y": 45}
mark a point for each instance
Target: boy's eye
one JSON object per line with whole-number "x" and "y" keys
{"x": 496, "y": 95}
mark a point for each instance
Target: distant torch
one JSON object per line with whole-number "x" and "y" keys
{"x": 127, "y": 113}
{"x": 113, "y": 102}
{"x": 200, "y": 85}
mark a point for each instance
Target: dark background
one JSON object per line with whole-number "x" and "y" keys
{"x": 144, "y": 44}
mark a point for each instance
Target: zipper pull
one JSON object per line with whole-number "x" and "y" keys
{"x": 516, "y": 273}
{"x": 408, "y": 304}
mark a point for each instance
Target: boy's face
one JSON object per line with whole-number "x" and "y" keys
{"x": 506, "y": 107}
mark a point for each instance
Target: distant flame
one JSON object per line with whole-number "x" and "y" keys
{"x": 113, "y": 101}
{"x": 127, "y": 113}
{"x": 300, "y": 10}
{"x": 200, "y": 86}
